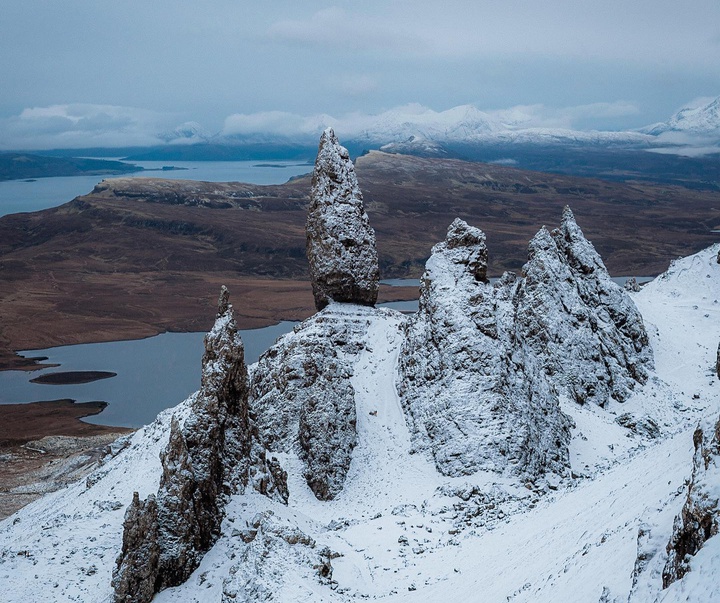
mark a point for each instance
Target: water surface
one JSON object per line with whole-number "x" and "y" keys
{"x": 34, "y": 195}
{"x": 152, "y": 374}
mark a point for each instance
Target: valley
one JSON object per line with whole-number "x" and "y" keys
{"x": 134, "y": 258}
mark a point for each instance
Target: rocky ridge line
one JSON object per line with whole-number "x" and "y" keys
{"x": 214, "y": 453}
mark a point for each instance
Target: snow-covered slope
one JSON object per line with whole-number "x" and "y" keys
{"x": 402, "y": 530}
{"x": 447, "y": 455}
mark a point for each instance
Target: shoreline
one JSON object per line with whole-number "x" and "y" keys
{"x": 45, "y": 446}
{"x": 260, "y": 313}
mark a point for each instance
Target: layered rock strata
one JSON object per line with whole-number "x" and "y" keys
{"x": 699, "y": 519}
{"x": 585, "y": 330}
{"x": 475, "y": 398}
{"x": 215, "y": 452}
{"x": 302, "y": 398}
{"x": 340, "y": 242}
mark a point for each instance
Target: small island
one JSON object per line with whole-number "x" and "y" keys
{"x": 72, "y": 377}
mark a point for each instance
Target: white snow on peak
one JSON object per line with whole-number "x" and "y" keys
{"x": 700, "y": 120}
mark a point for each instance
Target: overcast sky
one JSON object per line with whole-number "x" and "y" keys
{"x": 119, "y": 71}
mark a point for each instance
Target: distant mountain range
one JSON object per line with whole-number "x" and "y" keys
{"x": 419, "y": 130}
{"x": 702, "y": 121}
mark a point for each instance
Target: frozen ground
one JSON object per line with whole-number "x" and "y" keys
{"x": 400, "y": 531}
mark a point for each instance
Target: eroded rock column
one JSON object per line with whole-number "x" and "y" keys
{"x": 340, "y": 242}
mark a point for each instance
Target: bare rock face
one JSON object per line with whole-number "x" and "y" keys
{"x": 474, "y": 398}
{"x": 717, "y": 362}
{"x": 340, "y": 242}
{"x": 584, "y": 329}
{"x": 699, "y": 519}
{"x": 302, "y": 399}
{"x": 140, "y": 552}
{"x": 213, "y": 453}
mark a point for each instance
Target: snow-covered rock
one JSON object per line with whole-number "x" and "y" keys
{"x": 303, "y": 400}
{"x": 340, "y": 241}
{"x": 211, "y": 454}
{"x": 486, "y": 510}
{"x": 475, "y": 399}
{"x": 585, "y": 330}
{"x": 700, "y": 517}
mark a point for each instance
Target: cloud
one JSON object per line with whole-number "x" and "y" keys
{"x": 344, "y": 30}
{"x": 540, "y": 116}
{"x": 653, "y": 32}
{"x": 358, "y": 85}
{"x": 420, "y": 120}
{"x": 276, "y": 123}
{"x": 82, "y": 125}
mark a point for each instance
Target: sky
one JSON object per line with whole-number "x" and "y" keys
{"x": 112, "y": 73}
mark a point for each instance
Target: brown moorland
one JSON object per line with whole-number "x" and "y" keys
{"x": 136, "y": 257}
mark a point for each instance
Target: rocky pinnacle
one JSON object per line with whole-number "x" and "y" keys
{"x": 340, "y": 242}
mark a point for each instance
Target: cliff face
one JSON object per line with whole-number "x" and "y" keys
{"x": 340, "y": 242}
{"x": 699, "y": 519}
{"x": 213, "y": 453}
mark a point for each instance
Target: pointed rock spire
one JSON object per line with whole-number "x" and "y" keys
{"x": 585, "y": 329}
{"x": 340, "y": 242}
{"x": 473, "y": 398}
{"x": 214, "y": 452}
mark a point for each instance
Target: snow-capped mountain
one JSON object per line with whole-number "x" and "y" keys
{"x": 189, "y": 132}
{"x": 417, "y": 129}
{"x": 530, "y": 440}
{"x": 701, "y": 120}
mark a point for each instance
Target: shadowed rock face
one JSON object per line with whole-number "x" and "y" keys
{"x": 475, "y": 399}
{"x": 140, "y": 552}
{"x": 585, "y": 330}
{"x": 212, "y": 454}
{"x": 700, "y": 516}
{"x": 340, "y": 242}
{"x": 302, "y": 398}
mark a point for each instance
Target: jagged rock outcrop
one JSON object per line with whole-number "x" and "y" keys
{"x": 584, "y": 329}
{"x": 140, "y": 552}
{"x": 214, "y": 452}
{"x": 302, "y": 399}
{"x": 631, "y": 285}
{"x": 340, "y": 242}
{"x": 699, "y": 519}
{"x": 473, "y": 396}
{"x": 717, "y": 362}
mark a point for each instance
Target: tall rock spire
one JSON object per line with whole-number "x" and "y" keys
{"x": 340, "y": 242}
